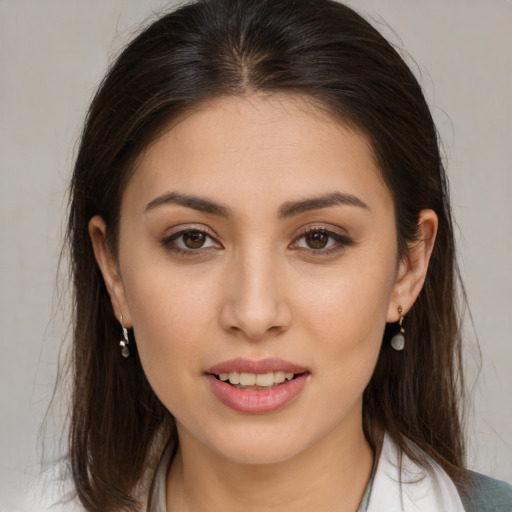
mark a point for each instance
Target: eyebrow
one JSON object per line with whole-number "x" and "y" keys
{"x": 194, "y": 202}
{"x": 288, "y": 209}
{"x": 292, "y": 208}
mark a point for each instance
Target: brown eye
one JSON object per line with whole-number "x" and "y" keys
{"x": 190, "y": 241}
{"x": 194, "y": 239}
{"x": 316, "y": 240}
{"x": 320, "y": 242}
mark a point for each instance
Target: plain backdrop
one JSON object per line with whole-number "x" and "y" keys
{"x": 53, "y": 54}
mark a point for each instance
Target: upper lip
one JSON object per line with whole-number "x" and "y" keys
{"x": 260, "y": 366}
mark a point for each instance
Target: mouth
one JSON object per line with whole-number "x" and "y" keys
{"x": 257, "y": 387}
{"x": 256, "y": 381}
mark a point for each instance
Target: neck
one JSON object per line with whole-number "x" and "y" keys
{"x": 330, "y": 475}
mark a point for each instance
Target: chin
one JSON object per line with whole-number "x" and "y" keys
{"x": 256, "y": 445}
{"x": 258, "y": 453}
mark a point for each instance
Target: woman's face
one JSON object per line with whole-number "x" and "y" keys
{"x": 257, "y": 240}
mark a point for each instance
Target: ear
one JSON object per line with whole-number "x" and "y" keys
{"x": 109, "y": 269}
{"x": 412, "y": 269}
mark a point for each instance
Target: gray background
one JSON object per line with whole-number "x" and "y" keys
{"x": 53, "y": 54}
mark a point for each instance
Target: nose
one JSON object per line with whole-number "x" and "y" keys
{"x": 254, "y": 302}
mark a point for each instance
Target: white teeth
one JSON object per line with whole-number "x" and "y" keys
{"x": 279, "y": 377}
{"x": 256, "y": 379}
{"x": 234, "y": 378}
{"x": 247, "y": 379}
{"x": 265, "y": 379}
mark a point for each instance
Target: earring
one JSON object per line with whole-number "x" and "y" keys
{"x": 125, "y": 351}
{"x": 398, "y": 340}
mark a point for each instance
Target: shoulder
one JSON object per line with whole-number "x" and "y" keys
{"x": 485, "y": 494}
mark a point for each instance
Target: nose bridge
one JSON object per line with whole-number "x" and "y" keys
{"x": 255, "y": 303}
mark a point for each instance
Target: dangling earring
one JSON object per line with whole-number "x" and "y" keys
{"x": 125, "y": 351}
{"x": 398, "y": 340}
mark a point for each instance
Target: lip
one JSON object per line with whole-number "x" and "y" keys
{"x": 261, "y": 366}
{"x": 251, "y": 401}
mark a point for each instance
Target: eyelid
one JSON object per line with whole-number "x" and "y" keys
{"x": 324, "y": 228}
{"x": 180, "y": 228}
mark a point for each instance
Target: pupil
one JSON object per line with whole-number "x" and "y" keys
{"x": 317, "y": 240}
{"x": 194, "y": 239}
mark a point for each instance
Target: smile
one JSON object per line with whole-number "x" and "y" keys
{"x": 257, "y": 387}
{"x": 256, "y": 380}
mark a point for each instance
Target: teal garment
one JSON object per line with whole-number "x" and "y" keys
{"x": 484, "y": 494}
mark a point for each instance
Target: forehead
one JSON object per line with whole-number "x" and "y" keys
{"x": 255, "y": 145}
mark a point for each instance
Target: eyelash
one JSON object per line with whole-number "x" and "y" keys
{"x": 341, "y": 242}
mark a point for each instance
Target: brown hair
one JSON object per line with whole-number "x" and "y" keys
{"x": 319, "y": 49}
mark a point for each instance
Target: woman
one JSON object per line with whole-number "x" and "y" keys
{"x": 260, "y": 211}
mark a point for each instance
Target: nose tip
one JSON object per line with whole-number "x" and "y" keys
{"x": 256, "y": 322}
{"x": 255, "y": 305}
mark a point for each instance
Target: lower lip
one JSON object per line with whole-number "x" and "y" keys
{"x": 255, "y": 401}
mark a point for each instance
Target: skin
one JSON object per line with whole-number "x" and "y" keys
{"x": 257, "y": 289}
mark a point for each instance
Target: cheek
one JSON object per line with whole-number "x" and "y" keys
{"x": 348, "y": 334}
{"x": 346, "y": 315}
{"x": 351, "y": 305}
{"x": 171, "y": 320}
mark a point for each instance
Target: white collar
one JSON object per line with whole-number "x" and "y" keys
{"x": 404, "y": 486}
